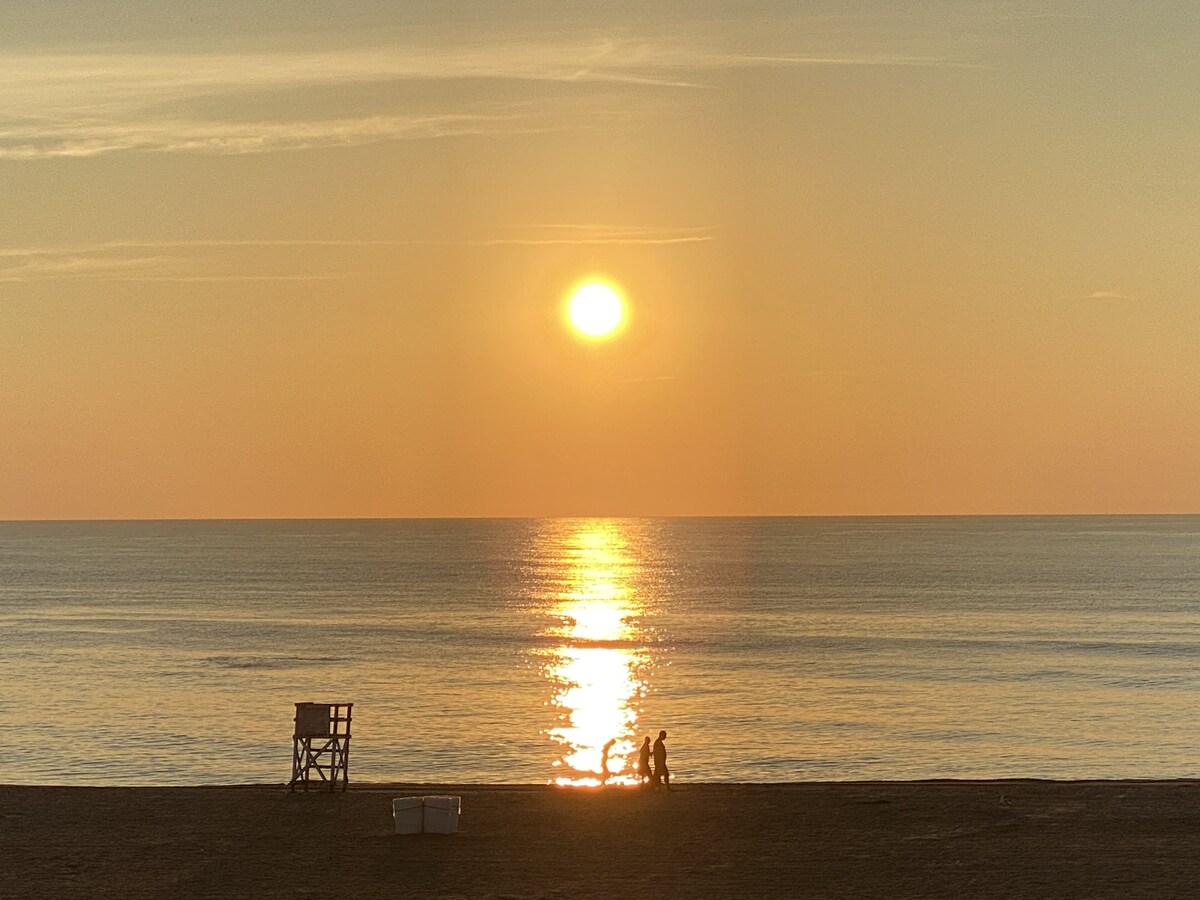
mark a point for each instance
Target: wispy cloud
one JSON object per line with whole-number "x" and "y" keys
{"x": 852, "y": 59}
{"x": 84, "y": 105}
{"x": 1108, "y": 295}
{"x": 136, "y": 260}
{"x": 67, "y": 265}
{"x": 602, "y": 234}
{"x": 80, "y": 138}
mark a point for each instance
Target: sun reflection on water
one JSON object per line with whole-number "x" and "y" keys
{"x": 597, "y": 669}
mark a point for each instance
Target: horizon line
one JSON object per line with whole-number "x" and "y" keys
{"x": 483, "y": 518}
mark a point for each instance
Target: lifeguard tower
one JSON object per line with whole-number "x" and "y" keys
{"x": 321, "y": 744}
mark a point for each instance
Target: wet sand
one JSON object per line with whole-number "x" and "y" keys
{"x": 931, "y": 839}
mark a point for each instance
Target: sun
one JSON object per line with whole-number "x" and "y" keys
{"x": 596, "y": 309}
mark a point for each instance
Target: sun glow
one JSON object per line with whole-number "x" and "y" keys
{"x": 596, "y": 310}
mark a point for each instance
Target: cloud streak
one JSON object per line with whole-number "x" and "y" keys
{"x": 602, "y": 234}
{"x": 134, "y": 261}
{"x": 1107, "y": 295}
{"x": 92, "y": 138}
{"x": 87, "y": 105}
{"x": 68, "y": 265}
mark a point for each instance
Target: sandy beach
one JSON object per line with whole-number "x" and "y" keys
{"x": 924, "y": 839}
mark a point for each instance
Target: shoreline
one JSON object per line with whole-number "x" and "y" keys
{"x": 360, "y": 786}
{"x": 1010, "y": 838}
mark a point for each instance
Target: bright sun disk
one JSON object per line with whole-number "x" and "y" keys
{"x": 596, "y": 309}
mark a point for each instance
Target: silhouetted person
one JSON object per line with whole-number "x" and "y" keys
{"x": 662, "y": 774}
{"x": 643, "y": 770}
{"x": 604, "y": 773}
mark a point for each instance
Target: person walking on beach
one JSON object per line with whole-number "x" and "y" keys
{"x": 604, "y": 773}
{"x": 643, "y": 770}
{"x": 662, "y": 775}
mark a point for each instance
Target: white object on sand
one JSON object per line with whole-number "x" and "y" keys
{"x": 409, "y": 814}
{"x": 426, "y": 815}
{"x": 441, "y": 814}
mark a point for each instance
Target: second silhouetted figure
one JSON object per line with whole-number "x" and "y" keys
{"x": 662, "y": 774}
{"x": 645, "y": 774}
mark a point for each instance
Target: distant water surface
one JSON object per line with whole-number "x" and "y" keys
{"x": 513, "y": 650}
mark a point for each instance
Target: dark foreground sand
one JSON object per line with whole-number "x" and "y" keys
{"x": 940, "y": 839}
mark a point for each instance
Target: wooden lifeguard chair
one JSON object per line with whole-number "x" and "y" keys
{"x": 321, "y": 744}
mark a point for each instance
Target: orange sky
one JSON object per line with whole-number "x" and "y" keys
{"x": 933, "y": 260}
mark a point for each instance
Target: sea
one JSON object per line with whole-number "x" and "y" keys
{"x": 513, "y": 650}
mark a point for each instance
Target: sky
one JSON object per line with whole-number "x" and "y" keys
{"x": 309, "y": 259}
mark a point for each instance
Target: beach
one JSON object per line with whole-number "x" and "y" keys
{"x": 1007, "y": 839}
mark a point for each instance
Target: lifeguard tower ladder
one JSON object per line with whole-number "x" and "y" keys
{"x": 321, "y": 744}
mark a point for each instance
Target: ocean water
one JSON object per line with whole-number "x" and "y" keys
{"x": 511, "y": 651}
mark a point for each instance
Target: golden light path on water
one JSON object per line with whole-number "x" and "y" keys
{"x": 596, "y": 671}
